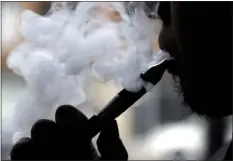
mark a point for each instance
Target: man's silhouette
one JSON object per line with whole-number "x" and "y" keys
{"x": 199, "y": 36}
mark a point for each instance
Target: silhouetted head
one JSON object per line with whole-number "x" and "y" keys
{"x": 199, "y": 36}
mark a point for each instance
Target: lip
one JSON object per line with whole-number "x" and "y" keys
{"x": 173, "y": 68}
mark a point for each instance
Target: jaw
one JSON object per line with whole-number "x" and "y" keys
{"x": 206, "y": 103}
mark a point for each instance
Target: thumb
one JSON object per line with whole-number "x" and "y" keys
{"x": 109, "y": 143}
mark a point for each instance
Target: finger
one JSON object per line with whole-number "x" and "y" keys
{"x": 109, "y": 143}
{"x": 45, "y": 140}
{"x": 22, "y": 150}
{"x": 71, "y": 121}
{"x": 68, "y": 116}
{"x": 44, "y": 131}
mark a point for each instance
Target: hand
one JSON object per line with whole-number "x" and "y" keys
{"x": 64, "y": 140}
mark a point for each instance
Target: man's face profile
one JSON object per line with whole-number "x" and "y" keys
{"x": 189, "y": 34}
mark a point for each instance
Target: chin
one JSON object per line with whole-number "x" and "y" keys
{"x": 205, "y": 103}
{"x": 200, "y": 100}
{"x": 205, "y": 109}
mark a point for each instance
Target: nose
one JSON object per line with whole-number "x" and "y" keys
{"x": 167, "y": 41}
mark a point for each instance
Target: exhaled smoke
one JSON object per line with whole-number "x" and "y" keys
{"x": 73, "y": 41}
